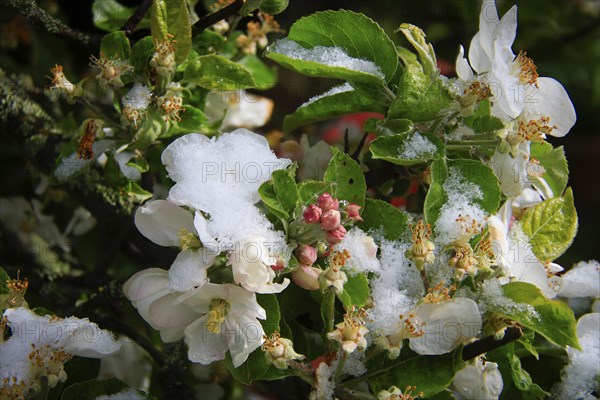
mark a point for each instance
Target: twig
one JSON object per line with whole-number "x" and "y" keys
{"x": 490, "y": 343}
{"x": 360, "y": 147}
{"x": 227, "y": 11}
{"x": 136, "y": 18}
{"x": 30, "y": 10}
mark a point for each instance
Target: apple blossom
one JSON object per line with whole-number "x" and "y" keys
{"x": 351, "y": 333}
{"x": 479, "y": 380}
{"x": 336, "y": 235}
{"x": 39, "y": 346}
{"x": 330, "y": 220}
{"x": 312, "y": 214}
{"x": 306, "y": 255}
{"x": 306, "y": 277}
{"x": 327, "y": 202}
{"x": 353, "y": 211}
{"x": 279, "y": 351}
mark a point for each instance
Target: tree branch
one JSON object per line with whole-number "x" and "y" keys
{"x": 227, "y": 11}
{"x": 490, "y": 343}
{"x": 136, "y": 18}
{"x": 30, "y": 10}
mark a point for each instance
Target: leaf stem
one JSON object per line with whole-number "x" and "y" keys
{"x": 340, "y": 367}
{"x": 136, "y": 18}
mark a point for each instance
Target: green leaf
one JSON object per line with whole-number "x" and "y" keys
{"x": 330, "y": 106}
{"x": 204, "y": 41}
{"x": 141, "y": 53}
{"x": 425, "y": 51}
{"x": 379, "y": 214}
{"x": 430, "y": 374}
{"x": 115, "y": 45}
{"x": 389, "y": 126}
{"x": 137, "y": 193}
{"x": 555, "y": 165}
{"x": 357, "y": 35}
{"x": 551, "y": 226}
{"x": 90, "y": 390}
{"x": 192, "y": 120}
{"x": 80, "y": 369}
{"x": 510, "y": 367}
{"x": 273, "y": 7}
{"x": 252, "y": 369}
{"x": 153, "y": 127}
{"x": 408, "y": 149}
{"x": 434, "y": 201}
{"x": 172, "y": 17}
{"x": 110, "y": 15}
{"x": 482, "y": 120}
{"x": 418, "y": 98}
{"x": 483, "y": 176}
{"x": 217, "y": 72}
{"x": 309, "y": 190}
{"x": 4, "y": 278}
{"x": 356, "y": 291}
{"x": 348, "y": 178}
{"x": 271, "y": 305}
{"x": 264, "y": 76}
{"x": 279, "y": 194}
{"x": 552, "y": 319}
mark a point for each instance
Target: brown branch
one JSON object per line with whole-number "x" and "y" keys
{"x": 227, "y": 11}
{"x": 490, "y": 343}
{"x": 136, "y": 18}
{"x": 30, "y": 10}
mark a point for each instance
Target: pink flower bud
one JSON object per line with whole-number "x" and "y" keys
{"x": 326, "y": 202}
{"x": 307, "y": 255}
{"x": 330, "y": 220}
{"x": 335, "y": 236}
{"x": 312, "y": 214}
{"x": 353, "y": 212}
{"x": 306, "y": 277}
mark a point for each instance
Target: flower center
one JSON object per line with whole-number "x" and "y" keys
{"x": 476, "y": 92}
{"x": 187, "y": 240}
{"x": 525, "y": 69}
{"x": 535, "y": 130}
{"x": 410, "y": 326}
{"x": 422, "y": 251}
{"x": 438, "y": 293}
{"x": 216, "y": 315}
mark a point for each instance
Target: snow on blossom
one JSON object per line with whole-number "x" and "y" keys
{"x": 583, "y": 280}
{"x": 460, "y": 217}
{"x": 38, "y": 347}
{"x": 580, "y": 378}
{"x": 221, "y": 177}
{"x": 362, "y": 250}
{"x": 331, "y": 56}
{"x": 127, "y": 394}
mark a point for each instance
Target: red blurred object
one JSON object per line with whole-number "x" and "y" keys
{"x": 354, "y": 124}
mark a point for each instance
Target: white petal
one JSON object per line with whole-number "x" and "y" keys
{"x": 505, "y": 33}
{"x": 204, "y": 347}
{"x": 167, "y": 312}
{"x": 525, "y": 267}
{"x": 88, "y": 340}
{"x": 243, "y": 302}
{"x": 145, "y": 283}
{"x": 552, "y": 100}
{"x": 463, "y": 69}
{"x": 499, "y": 242}
{"x": 251, "y": 111}
{"x": 511, "y": 172}
{"x": 481, "y": 48}
{"x": 189, "y": 269}
{"x": 478, "y": 382}
{"x": 447, "y": 325}
{"x": 588, "y": 324}
{"x": 161, "y": 221}
{"x": 244, "y": 335}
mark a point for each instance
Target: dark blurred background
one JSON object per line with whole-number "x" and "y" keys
{"x": 562, "y": 37}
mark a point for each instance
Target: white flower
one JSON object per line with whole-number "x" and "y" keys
{"x": 238, "y": 109}
{"x": 229, "y": 321}
{"x": 580, "y": 378}
{"x": 167, "y": 224}
{"x": 362, "y": 250}
{"x": 252, "y": 264}
{"x": 351, "y": 333}
{"x": 221, "y": 177}
{"x": 445, "y": 325}
{"x": 324, "y": 385}
{"x": 511, "y": 170}
{"x": 583, "y": 280}
{"x": 38, "y": 347}
{"x": 479, "y": 381}
{"x": 146, "y": 287}
{"x": 519, "y": 91}
{"x": 279, "y": 351}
